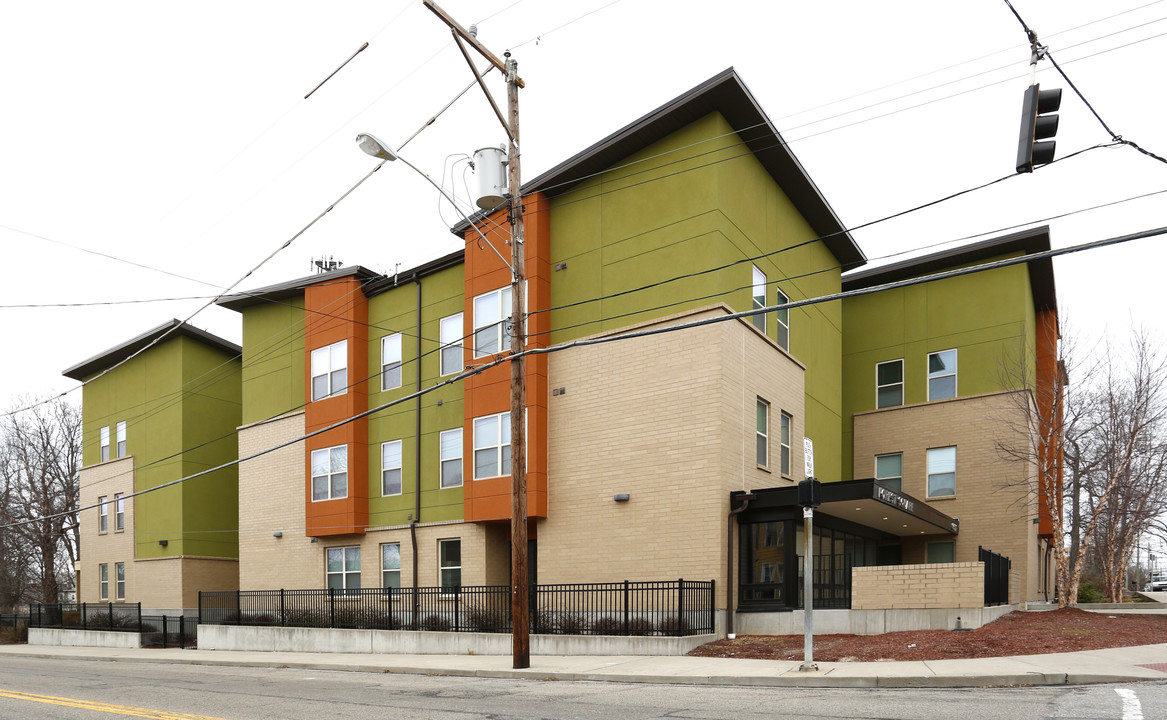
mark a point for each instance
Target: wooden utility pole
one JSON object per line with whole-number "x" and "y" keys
{"x": 520, "y": 605}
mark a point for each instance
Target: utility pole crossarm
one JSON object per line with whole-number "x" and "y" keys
{"x": 478, "y": 76}
{"x": 465, "y": 35}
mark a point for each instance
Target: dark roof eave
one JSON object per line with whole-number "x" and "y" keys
{"x": 727, "y": 94}
{"x": 118, "y": 353}
{"x": 1032, "y": 240}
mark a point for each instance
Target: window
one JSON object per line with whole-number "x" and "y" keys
{"x": 942, "y": 375}
{"x": 889, "y": 383}
{"x": 492, "y": 446}
{"x": 343, "y": 569}
{"x": 451, "y": 339}
{"x": 889, "y": 470}
{"x": 119, "y": 512}
{"x": 102, "y": 514}
{"x": 105, "y": 443}
{"x": 391, "y": 566}
{"x": 787, "y": 421}
{"x": 763, "y": 434}
{"x": 759, "y": 320}
{"x": 121, "y": 437}
{"x": 783, "y": 317}
{"x": 391, "y": 468}
{"x": 941, "y": 472}
{"x": 330, "y": 473}
{"x": 391, "y": 361}
{"x": 941, "y": 552}
{"x": 492, "y": 313}
{"x": 450, "y": 564}
{"x": 103, "y": 581}
{"x": 120, "y": 579}
{"x": 330, "y": 370}
{"x": 450, "y": 442}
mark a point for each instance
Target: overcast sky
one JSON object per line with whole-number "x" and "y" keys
{"x": 174, "y": 137}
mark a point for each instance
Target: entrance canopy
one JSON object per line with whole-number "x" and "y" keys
{"x": 864, "y": 502}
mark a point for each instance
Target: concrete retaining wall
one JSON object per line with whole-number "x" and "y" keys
{"x": 868, "y": 622}
{"x": 83, "y": 638}
{"x": 409, "y": 642}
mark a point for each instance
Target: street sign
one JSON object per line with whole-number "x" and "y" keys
{"x": 808, "y": 457}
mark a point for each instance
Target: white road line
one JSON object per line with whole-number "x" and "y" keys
{"x": 1132, "y": 709}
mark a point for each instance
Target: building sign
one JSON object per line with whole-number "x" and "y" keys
{"x": 887, "y": 496}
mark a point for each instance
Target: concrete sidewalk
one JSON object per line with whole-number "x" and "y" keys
{"x": 1146, "y": 662}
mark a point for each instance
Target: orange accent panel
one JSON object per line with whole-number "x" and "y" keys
{"x": 1049, "y": 383}
{"x": 334, "y": 311}
{"x": 489, "y": 393}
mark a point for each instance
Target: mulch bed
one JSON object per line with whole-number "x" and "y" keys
{"x": 1018, "y": 633}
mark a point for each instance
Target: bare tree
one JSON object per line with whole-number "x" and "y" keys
{"x": 40, "y": 455}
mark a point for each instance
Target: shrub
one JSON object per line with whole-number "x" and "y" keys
{"x": 14, "y": 635}
{"x": 673, "y": 625}
{"x": 434, "y": 621}
{"x": 543, "y": 622}
{"x": 1088, "y": 592}
{"x": 305, "y": 618}
{"x": 572, "y": 624}
{"x": 639, "y": 626}
{"x": 488, "y": 620}
{"x": 608, "y": 626}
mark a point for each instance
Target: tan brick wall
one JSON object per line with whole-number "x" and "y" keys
{"x": 668, "y": 419}
{"x": 994, "y": 499}
{"x": 939, "y": 585}
{"x": 105, "y": 480}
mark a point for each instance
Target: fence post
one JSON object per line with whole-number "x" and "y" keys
{"x": 712, "y": 602}
{"x": 163, "y": 632}
{"x": 283, "y": 612}
{"x": 200, "y": 606}
{"x": 680, "y": 605}
{"x": 140, "y": 618}
{"x": 238, "y": 607}
{"x": 331, "y": 607}
{"x": 84, "y": 624}
{"x": 626, "y": 628}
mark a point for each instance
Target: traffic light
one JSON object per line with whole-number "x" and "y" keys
{"x": 1039, "y": 121}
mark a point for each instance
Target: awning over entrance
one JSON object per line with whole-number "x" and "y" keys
{"x": 865, "y": 502}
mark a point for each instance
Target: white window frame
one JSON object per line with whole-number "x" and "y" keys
{"x": 390, "y": 572}
{"x": 346, "y": 575}
{"x": 782, "y": 317}
{"x": 786, "y": 429}
{"x": 450, "y": 332}
{"x": 443, "y": 567}
{"x": 450, "y": 441}
{"x": 104, "y": 432}
{"x": 878, "y": 386}
{"x": 937, "y": 470}
{"x": 759, "y": 296}
{"x": 928, "y": 551}
{"x": 391, "y": 370}
{"x": 103, "y": 581}
{"x": 328, "y": 362}
{"x": 496, "y": 300}
{"x": 762, "y": 433}
{"x": 119, "y": 512}
{"x": 102, "y": 515}
{"x": 121, "y": 438}
{"x": 330, "y": 473}
{"x": 119, "y": 577}
{"x": 499, "y": 444}
{"x": 390, "y": 464}
{"x": 896, "y": 480}
{"x": 943, "y": 374}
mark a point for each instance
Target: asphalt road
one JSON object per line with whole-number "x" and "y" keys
{"x": 43, "y": 689}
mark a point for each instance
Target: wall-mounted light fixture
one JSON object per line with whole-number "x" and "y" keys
{"x": 163, "y": 543}
{"x": 622, "y": 497}
{"x": 315, "y": 540}
{"x": 277, "y": 534}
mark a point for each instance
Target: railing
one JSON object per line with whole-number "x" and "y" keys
{"x": 997, "y": 568}
{"x": 673, "y": 608}
{"x": 169, "y": 631}
{"x": 118, "y": 617}
{"x": 832, "y": 582}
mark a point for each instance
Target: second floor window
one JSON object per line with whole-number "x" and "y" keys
{"x": 330, "y": 473}
{"x": 121, "y": 436}
{"x": 451, "y": 457}
{"x": 787, "y": 423}
{"x": 759, "y": 285}
{"x": 391, "y": 468}
{"x": 942, "y": 375}
{"x": 330, "y": 370}
{"x": 941, "y": 472}
{"x": 102, "y": 514}
{"x": 105, "y": 443}
{"x": 889, "y": 470}
{"x": 492, "y": 314}
{"x": 762, "y": 434}
{"x": 492, "y": 446}
{"x": 783, "y": 318}
{"x": 119, "y": 512}
{"x": 391, "y": 361}
{"x": 889, "y": 383}
{"x": 451, "y": 340}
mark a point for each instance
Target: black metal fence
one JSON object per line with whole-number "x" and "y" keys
{"x": 832, "y": 582}
{"x": 13, "y": 627}
{"x": 165, "y": 631}
{"x": 997, "y": 568}
{"x": 118, "y": 617}
{"x": 672, "y": 608}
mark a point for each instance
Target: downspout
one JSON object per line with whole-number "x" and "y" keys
{"x": 416, "y": 456}
{"x": 746, "y": 499}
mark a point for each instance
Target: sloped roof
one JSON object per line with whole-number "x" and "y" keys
{"x": 1032, "y": 240}
{"x": 118, "y": 353}
{"x": 727, "y": 94}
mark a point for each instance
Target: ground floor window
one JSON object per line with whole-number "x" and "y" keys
{"x": 941, "y": 552}
{"x": 450, "y": 564}
{"x": 343, "y": 568}
{"x": 391, "y": 566}
{"x": 103, "y": 581}
{"x": 763, "y": 553}
{"x": 120, "y": 577}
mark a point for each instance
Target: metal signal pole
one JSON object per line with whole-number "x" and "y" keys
{"x": 520, "y": 605}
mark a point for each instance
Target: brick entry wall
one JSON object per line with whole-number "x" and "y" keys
{"x": 937, "y": 585}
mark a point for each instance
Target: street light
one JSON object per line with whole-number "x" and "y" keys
{"x": 376, "y": 148}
